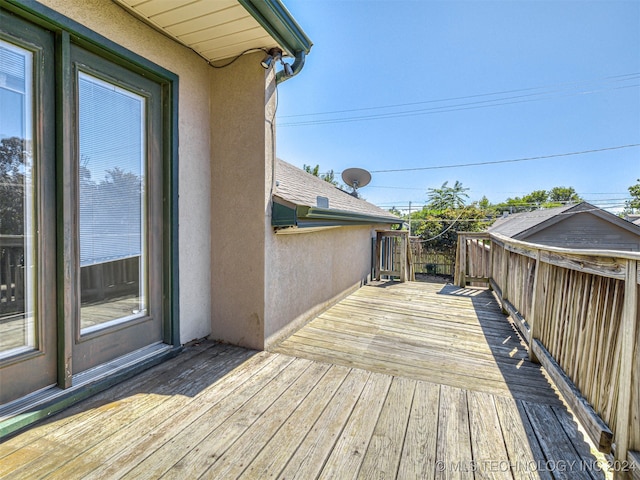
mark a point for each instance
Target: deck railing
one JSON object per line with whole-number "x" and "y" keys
{"x": 11, "y": 274}
{"x": 579, "y": 312}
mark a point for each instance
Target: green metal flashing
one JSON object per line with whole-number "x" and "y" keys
{"x": 282, "y": 216}
{"x": 278, "y": 22}
{"x": 312, "y": 217}
{"x": 315, "y": 213}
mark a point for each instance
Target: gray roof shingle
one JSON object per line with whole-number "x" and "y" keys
{"x": 301, "y": 188}
{"x": 517, "y": 223}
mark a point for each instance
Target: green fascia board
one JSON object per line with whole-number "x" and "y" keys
{"x": 283, "y": 216}
{"x": 315, "y": 213}
{"x": 303, "y": 217}
{"x": 274, "y": 17}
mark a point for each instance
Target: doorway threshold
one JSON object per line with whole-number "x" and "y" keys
{"x": 39, "y": 405}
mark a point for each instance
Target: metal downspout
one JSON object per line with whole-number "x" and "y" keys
{"x": 296, "y": 66}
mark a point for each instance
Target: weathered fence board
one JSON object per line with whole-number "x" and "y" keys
{"x": 580, "y": 313}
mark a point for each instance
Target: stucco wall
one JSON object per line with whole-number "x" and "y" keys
{"x": 307, "y": 272}
{"x": 242, "y": 103}
{"x": 109, "y": 20}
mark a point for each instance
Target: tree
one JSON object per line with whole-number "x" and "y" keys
{"x": 555, "y": 197}
{"x": 328, "y": 177}
{"x": 447, "y": 197}
{"x": 13, "y": 165}
{"x": 537, "y": 197}
{"x": 395, "y": 211}
{"x": 634, "y": 203}
{"x": 439, "y": 228}
{"x": 564, "y": 195}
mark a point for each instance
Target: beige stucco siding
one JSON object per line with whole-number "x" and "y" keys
{"x": 109, "y": 20}
{"x": 241, "y": 182}
{"x": 239, "y": 282}
{"x": 307, "y": 272}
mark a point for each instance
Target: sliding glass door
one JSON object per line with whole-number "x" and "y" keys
{"x": 118, "y": 239}
{"x": 27, "y": 205}
{"x": 81, "y": 209}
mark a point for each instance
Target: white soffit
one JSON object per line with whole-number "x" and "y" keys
{"x": 216, "y": 29}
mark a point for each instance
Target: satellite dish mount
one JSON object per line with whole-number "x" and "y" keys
{"x": 356, "y": 178}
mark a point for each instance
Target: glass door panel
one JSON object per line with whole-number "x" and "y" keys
{"x": 118, "y": 197}
{"x": 112, "y": 173}
{"x": 27, "y": 211}
{"x": 18, "y": 323}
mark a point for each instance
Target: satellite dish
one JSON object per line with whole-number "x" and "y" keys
{"x": 356, "y": 178}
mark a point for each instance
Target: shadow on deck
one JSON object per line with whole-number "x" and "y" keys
{"x": 406, "y": 381}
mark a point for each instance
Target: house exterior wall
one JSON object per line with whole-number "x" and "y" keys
{"x": 242, "y": 109}
{"x": 308, "y": 272}
{"x": 584, "y": 230}
{"x": 239, "y": 282}
{"x": 112, "y": 22}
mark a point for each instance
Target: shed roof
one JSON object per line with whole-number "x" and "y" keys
{"x": 521, "y": 225}
{"x": 517, "y": 223}
{"x": 300, "y": 189}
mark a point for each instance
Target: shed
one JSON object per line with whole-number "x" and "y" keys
{"x": 583, "y": 226}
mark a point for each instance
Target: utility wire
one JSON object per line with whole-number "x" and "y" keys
{"x": 449, "y": 108}
{"x": 616, "y": 78}
{"x": 514, "y": 160}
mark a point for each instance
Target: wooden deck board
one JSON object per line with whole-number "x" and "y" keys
{"x": 454, "y": 456}
{"x": 383, "y": 454}
{"x": 431, "y": 332}
{"x": 357, "y": 404}
{"x": 420, "y": 445}
{"x": 310, "y": 456}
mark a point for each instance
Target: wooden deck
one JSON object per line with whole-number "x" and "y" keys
{"x": 425, "y": 392}
{"x": 426, "y": 331}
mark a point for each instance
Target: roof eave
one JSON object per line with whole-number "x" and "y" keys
{"x": 274, "y": 17}
{"x": 316, "y": 213}
{"x": 306, "y": 217}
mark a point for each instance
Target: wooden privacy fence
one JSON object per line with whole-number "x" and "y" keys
{"x": 433, "y": 262}
{"x": 579, "y": 312}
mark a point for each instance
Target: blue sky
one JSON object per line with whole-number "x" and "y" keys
{"x": 471, "y": 82}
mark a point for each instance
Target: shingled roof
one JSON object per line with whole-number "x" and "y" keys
{"x": 520, "y": 225}
{"x": 297, "y": 188}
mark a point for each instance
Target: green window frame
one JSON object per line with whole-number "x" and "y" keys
{"x": 70, "y": 38}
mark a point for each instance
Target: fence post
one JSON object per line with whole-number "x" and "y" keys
{"x": 504, "y": 288}
{"x": 378, "y": 255}
{"x": 403, "y": 258}
{"x": 490, "y": 270}
{"x": 534, "y": 321}
{"x": 461, "y": 264}
{"x": 627, "y": 337}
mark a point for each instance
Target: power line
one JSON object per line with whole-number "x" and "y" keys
{"x": 450, "y": 108}
{"x": 616, "y": 78}
{"x": 514, "y": 160}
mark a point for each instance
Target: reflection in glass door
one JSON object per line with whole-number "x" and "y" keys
{"x": 112, "y": 172}
{"x": 18, "y": 326}
{"x": 27, "y": 204}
